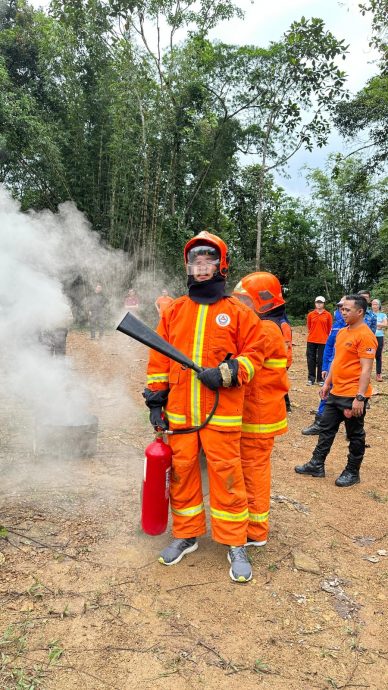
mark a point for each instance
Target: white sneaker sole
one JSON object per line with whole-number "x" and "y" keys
{"x": 256, "y": 543}
{"x": 189, "y": 549}
{"x": 240, "y": 579}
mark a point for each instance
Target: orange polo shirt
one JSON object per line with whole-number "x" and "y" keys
{"x": 318, "y": 326}
{"x": 351, "y": 345}
{"x": 163, "y": 303}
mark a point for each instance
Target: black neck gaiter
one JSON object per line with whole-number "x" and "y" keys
{"x": 208, "y": 291}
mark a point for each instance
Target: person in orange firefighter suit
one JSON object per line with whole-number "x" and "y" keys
{"x": 264, "y": 412}
{"x": 225, "y": 338}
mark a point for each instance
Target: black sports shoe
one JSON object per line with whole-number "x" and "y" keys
{"x": 177, "y": 549}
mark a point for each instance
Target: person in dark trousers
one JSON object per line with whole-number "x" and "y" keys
{"x": 319, "y": 323}
{"x": 328, "y": 356}
{"x": 381, "y": 324}
{"x": 97, "y": 312}
{"x": 347, "y": 389}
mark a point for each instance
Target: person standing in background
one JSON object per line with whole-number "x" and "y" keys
{"x": 163, "y": 302}
{"x": 131, "y": 301}
{"x": 370, "y": 317}
{"x": 382, "y": 323}
{"x": 97, "y": 309}
{"x": 328, "y": 356}
{"x": 319, "y": 323}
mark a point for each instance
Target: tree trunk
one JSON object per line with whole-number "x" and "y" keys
{"x": 260, "y": 197}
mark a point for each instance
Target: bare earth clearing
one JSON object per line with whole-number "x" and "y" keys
{"x": 85, "y": 604}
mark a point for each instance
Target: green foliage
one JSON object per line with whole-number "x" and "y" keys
{"x": 146, "y": 140}
{"x": 350, "y": 208}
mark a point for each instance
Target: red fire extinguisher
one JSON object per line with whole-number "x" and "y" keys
{"x": 156, "y": 487}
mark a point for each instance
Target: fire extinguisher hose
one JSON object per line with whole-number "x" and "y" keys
{"x": 192, "y": 429}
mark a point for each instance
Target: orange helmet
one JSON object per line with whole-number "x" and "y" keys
{"x": 207, "y": 239}
{"x": 264, "y": 290}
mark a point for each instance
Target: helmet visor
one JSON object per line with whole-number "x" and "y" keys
{"x": 245, "y": 299}
{"x": 203, "y": 261}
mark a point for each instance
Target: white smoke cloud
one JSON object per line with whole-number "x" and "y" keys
{"x": 40, "y": 253}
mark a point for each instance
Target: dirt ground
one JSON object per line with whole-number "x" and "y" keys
{"x": 86, "y": 606}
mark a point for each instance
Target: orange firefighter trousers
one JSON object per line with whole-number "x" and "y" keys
{"x": 256, "y": 462}
{"x": 228, "y": 498}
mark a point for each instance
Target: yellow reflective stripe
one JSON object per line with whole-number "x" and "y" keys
{"x": 175, "y": 418}
{"x": 225, "y": 420}
{"x": 247, "y": 364}
{"x": 199, "y": 335}
{"x": 157, "y": 378}
{"x": 264, "y": 428}
{"x": 229, "y": 517}
{"x": 259, "y": 517}
{"x": 275, "y": 363}
{"x": 185, "y": 512}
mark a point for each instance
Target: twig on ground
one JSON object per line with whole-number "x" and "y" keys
{"x": 194, "y": 584}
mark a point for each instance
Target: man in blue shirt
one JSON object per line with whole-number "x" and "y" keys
{"x": 370, "y": 317}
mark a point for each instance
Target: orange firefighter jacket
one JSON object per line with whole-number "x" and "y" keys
{"x": 206, "y": 333}
{"x": 264, "y": 413}
{"x": 287, "y": 335}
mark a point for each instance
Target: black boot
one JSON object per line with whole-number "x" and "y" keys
{"x": 350, "y": 475}
{"x": 314, "y": 428}
{"x": 315, "y": 467}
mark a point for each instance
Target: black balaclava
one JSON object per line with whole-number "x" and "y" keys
{"x": 206, "y": 291}
{"x": 277, "y": 315}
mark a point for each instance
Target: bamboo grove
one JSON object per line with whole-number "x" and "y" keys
{"x": 155, "y": 131}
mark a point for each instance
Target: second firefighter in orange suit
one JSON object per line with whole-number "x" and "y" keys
{"x": 264, "y": 413}
{"x": 225, "y": 338}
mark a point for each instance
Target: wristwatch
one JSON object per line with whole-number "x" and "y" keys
{"x": 360, "y": 398}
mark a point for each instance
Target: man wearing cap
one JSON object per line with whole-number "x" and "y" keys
{"x": 319, "y": 323}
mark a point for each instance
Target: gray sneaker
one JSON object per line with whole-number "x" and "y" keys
{"x": 240, "y": 570}
{"x": 177, "y": 549}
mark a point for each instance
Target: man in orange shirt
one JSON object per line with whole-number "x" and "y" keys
{"x": 349, "y": 376}
{"x": 163, "y": 302}
{"x": 319, "y": 323}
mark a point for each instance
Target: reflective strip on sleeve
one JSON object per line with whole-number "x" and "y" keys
{"x": 259, "y": 517}
{"x": 275, "y": 363}
{"x": 264, "y": 428}
{"x": 188, "y": 512}
{"x": 247, "y": 364}
{"x": 195, "y": 388}
{"x": 175, "y": 418}
{"x": 229, "y": 517}
{"x": 157, "y": 378}
{"x": 225, "y": 420}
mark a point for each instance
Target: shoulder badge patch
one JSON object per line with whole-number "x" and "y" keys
{"x": 223, "y": 320}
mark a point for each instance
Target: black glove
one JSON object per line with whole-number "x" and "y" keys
{"x": 217, "y": 377}
{"x": 156, "y": 419}
{"x": 233, "y": 368}
{"x": 211, "y": 378}
{"x": 155, "y": 401}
